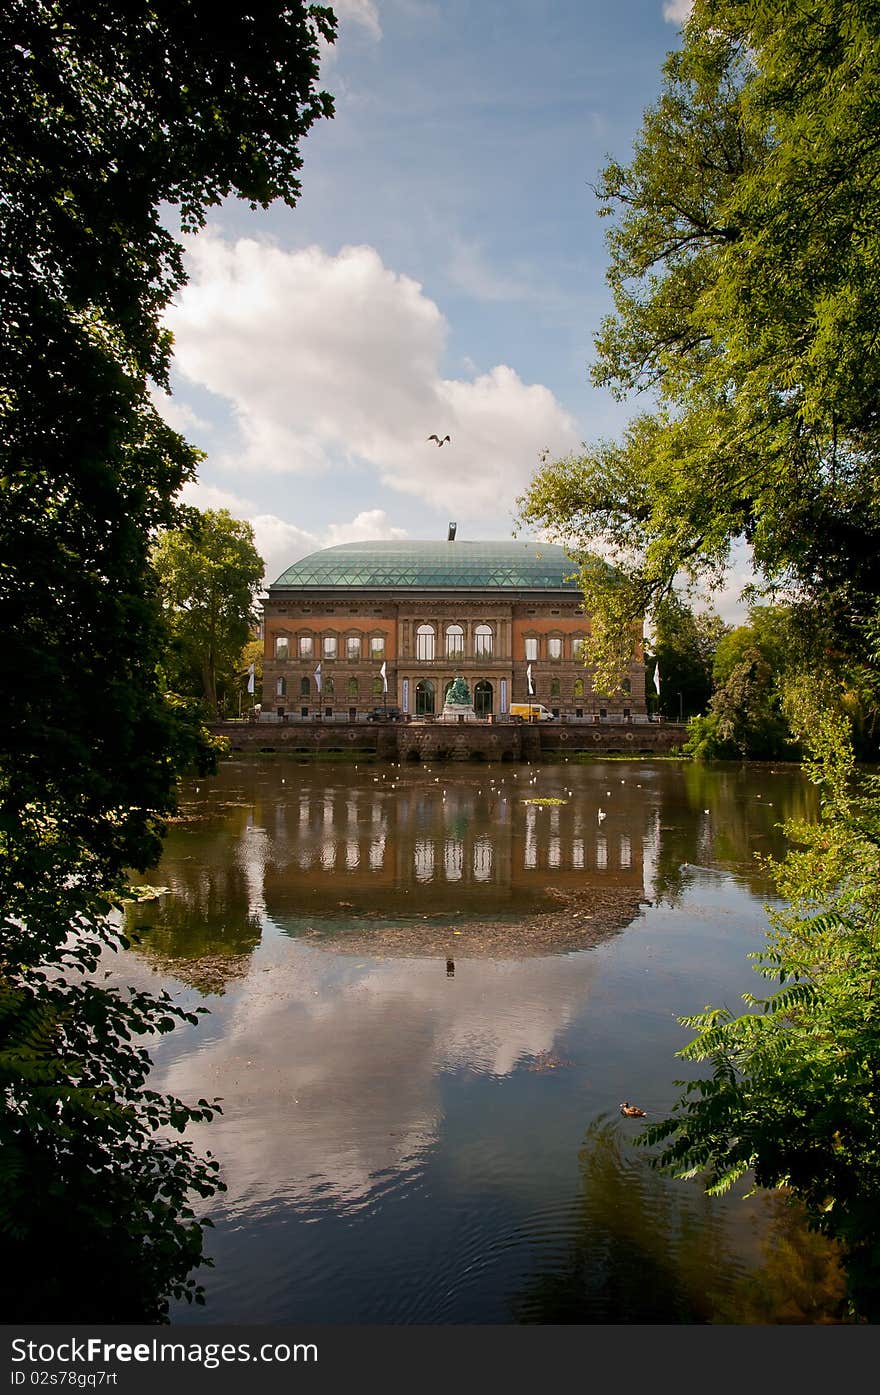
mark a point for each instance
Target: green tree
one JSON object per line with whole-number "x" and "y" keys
{"x": 209, "y": 577}
{"x": 793, "y": 1095}
{"x": 115, "y": 118}
{"x": 744, "y": 240}
{"x": 743, "y": 244}
{"x": 751, "y": 666}
{"x": 684, "y": 647}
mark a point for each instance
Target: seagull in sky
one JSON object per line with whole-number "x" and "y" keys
{"x": 435, "y": 437}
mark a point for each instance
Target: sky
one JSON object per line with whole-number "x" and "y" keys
{"x": 443, "y": 272}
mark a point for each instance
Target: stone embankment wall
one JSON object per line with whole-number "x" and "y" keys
{"x": 493, "y": 741}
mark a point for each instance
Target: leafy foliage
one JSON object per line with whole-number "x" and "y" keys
{"x": 684, "y": 646}
{"x": 744, "y": 241}
{"x": 743, "y": 248}
{"x": 209, "y": 575}
{"x": 114, "y": 117}
{"x": 751, "y": 668}
{"x": 792, "y": 1095}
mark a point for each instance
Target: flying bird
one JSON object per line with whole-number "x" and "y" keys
{"x": 435, "y": 437}
{"x": 631, "y": 1111}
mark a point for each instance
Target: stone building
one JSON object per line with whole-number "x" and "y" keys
{"x": 428, "y": 611}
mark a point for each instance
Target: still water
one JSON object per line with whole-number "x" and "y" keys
{"x": 427, "y": 998}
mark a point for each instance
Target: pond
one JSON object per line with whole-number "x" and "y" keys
{"x": 428, "y": 997}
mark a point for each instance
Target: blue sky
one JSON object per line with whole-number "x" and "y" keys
{"x": 444, "y": 271}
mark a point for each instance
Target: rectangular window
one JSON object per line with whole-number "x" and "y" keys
{"x": 377, "y": 647}
{"x": 554, "y": 647}
{"x": 531, "y": 650}
{"x": 305, "y": 646}
{"x": 353, "y": 647}
{"x": 330, "y": 646}
{"x": 282, "y": 647}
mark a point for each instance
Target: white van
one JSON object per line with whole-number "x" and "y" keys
{"x": 534, "y": 710}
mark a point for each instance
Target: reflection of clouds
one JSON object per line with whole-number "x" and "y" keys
{"x": 346, "y": 1054}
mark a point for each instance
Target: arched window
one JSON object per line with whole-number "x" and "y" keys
{"x": 305, "y": 687}
{"x": 531, "y": 649}
{"x": 554, "y": 688}
{"x": 578, "y": 687}
{"x": 352, "y": 687}
{"x": 282, "y": 647}
{"x": 425, "y": 642}
{"x": 328, "y": 687}
{"x": 454, "y": 642}
{"x": 483, "y": 641}
{"x": 424, "y": 698}
{"x": 377, "y": 687}
{"x": 554, "y": 647}
{"x": 626, "y": 685}
{"x": 281, "y": 687}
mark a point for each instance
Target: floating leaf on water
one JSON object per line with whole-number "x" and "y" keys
{"x": 146, "y": 893}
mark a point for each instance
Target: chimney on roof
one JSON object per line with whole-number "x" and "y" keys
{"x": 450, "y": 537}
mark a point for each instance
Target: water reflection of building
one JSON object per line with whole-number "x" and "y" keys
{"x": 426, "y": 611}
{"x": 418, "y": 850}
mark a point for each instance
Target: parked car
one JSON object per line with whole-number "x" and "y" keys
{"x": 385, "y": 714}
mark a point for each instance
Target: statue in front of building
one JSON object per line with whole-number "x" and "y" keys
{"x": 459, "y": 703}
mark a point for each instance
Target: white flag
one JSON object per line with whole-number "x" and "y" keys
{"x": 657, "y": 679}
{"x": 318, "y": 677}
{"x": 531, "y": 684}
{"x": 250, "y": 686}
{"x": 384, "y": 673}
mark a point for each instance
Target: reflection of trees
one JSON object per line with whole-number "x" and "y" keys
{"x": 746, "y": 804}
{"x": 201, "y": 930}
{"x": 800, "y": 1279}
{"x": 648, "y": 1250}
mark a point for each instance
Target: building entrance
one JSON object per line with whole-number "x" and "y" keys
{"x": 483, "y": 698}
{"x": 424, "y": 698}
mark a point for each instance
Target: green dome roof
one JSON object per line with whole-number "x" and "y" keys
{"x": 435, "y": 566}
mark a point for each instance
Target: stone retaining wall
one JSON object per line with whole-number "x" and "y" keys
{"x": 493, "y": 741}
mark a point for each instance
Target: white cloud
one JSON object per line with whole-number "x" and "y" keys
{"x": 177, "y": 414}
{"x": 333, "y": 361}
{"x": 370, "y": 525}
{"x": 362, "y": 12}
{"x": 470, "y": 269}
{"x": 206, "y": 496}
{"x": 677, "y": 11}
{"x": 280, "y": 543}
